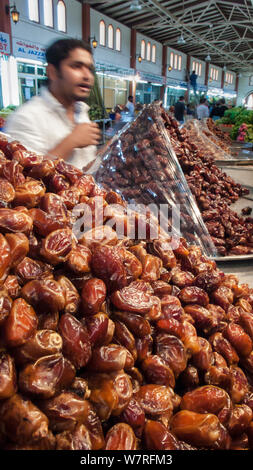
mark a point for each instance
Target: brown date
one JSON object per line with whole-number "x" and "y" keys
{"x": 45, "y": 295}
{"x": 7, "y": 191}
{"x": 240, "y": 386}
{"x": 138, "y": 325}
{"x": 209, "y": 280}
{"x": 103, "y": 397}
{"x": 201, "y": 430}
{"x": 5, "y": 304}
{"x": 19, "y": 247}
{"x": 53, "y": 205}
{"x": 203, "y": 318}
{"x": 46, "y": 377}
{"x": 124, "y": 337}
{"x": 120, "y": 437}
{"x": 133, "y": 298}
{"x": 162, "y": 249}
{"x": 144, "y": 347}
{"x": 189, "y": 378}
{"x": 76, "y": 342}
{"x": 8, "y": 378}
{"x": 13, "y": 287}
{"x": 107, "y": 264}
{"x": 20, "y": 324}
{"x": 239, "y": 420}
{"x": 93, "y": 295}
{"x": 72, "y": 297}
{"x": 171, "y": 350}
{"x": 5, "y": 258}
{"x": 42, "y": 343}
{"x": 182, "y": 278}
{"x": 29, "y": 193}
{"x": 57, "y": 246}
{"x": 22, "y": 421}
{"x": 157, "y": 371}
{"x": 158, "y": 437}
{"x": 45, "y": 223}
{"x": 240, "y": 340}
{"x": 29, "y": 269}
{"x": 97, "y": 326}
{"x": 208, "y": 399}
{"x": 194, "y": 295}
{"x": 203, "y": 359}
{"x": 108, "y": 358}
{"x": 99, "y": 236}
{"x": 155, "y": 399}
{"x": 78, "y": 439}
{"x": 80, "y": 387}
{"x": 13, "y": 220}
{"x": 48, "y": 321}
{"x": 223, "y": 296}
{"x": 134, "y": 416}
{"x": 161, "y": 288}
{"x": 222, "y": 346}
{"x": 79, "y": 259}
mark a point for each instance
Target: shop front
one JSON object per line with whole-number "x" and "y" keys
{"x": 31, "y": 70}
{"x": 174, "y": 89}
{"x": 114, "y": 83}
{"x": 148, "y": 87}
{"x": 5, "y": 50}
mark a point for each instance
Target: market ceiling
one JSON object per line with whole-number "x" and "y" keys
{"x": 221, "y": 28}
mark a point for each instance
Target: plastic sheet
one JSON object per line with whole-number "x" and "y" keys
{"x": 140, "y": 164}
{"x": 200, "y": 135}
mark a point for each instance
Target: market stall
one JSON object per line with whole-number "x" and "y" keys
{"x": 112, "y": 342}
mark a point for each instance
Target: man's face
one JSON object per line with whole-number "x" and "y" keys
{"x": 75, "y": 77}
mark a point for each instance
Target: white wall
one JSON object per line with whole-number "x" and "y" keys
{"x": 43, "y": 35}
{"x": 214, "y": 83}
{"x": 244, "y": 89}
{"x": 145, "y": 65}
{"x": 230, "y": 86}
{"x": 201, "y": 78}
{"x": 176, "y": 74}
{"x": 104, "y": 53}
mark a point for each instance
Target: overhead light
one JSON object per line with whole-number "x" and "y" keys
{"x": 208, "y": 58}
{"x": 14, "y": 12}
{"x": 135, "y": 5}
{"x": 181, "y": 39}
{"x": 224, "y": 68}
{"x": 169, "y": 68}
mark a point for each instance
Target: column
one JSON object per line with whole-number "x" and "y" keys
{"x": 164, "y": 70}
{"x": 207, "y": 74}
{"x": 132, "y": 85}
{"x": 222, "y": 79}
{"x": 188, "y": 71}
{"x": 85, "y": 21}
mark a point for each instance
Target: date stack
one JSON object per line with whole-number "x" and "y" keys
{"x": 112, "y": 344}
{"x": 140, "y": 165}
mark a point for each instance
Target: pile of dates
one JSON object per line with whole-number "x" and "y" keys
{"x": 223, "y": 137}
{"x": 107, "y": 343}
{"x": 137, "y": 166}
{"x": 206, "y": 139}
{"x": 214, "y": 192}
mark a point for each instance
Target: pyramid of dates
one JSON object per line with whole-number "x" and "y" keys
{"x": 108, "y": 343}
{"x": 137, "y": 165}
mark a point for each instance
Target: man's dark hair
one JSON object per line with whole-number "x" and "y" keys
{"x": 130, "y": 97}
{"x": 222, "y": 101}
{"x": 181, "y": 98}
{"x": 60, "y": 50}
{"x": 193, "y": 71}
{"x": 202, "y": 100}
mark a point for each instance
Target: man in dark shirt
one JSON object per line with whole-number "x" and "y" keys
{"x": 222, "y": 107}
{"x": 193, "y": 81}
{"x": 180, "y": 110}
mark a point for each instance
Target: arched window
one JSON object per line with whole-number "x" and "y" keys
{"x": 143, "y": 49}
{"x": 172, "y": 59}
{"x": 148, "y": 51}
{"x": 154, "y": 53}
{"x": 102, "y": 33}
{"x": 118, "y": 39}
{"x": 33, "y": 10}
{"x": 179, "y": 62}
{"x": 200, "y": 69}
{"x": 61, "y": 16}
{"x": 110, "y": 36}
{"x": 48, "y": 13}
{"x": 175, "y": 61}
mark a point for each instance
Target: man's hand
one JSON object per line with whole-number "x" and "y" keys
{"x": 85, "y": 134}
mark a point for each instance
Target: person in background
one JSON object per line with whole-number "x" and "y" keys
{"x": 130, "y": 105}
{"x": 193, "y": 81}
{"x": 190, "y": 111}
{"x": 180, "y": 110}
{"x": 223, "y": 107}
{"x": 215, "y": 112}
{"x": 56, "y": 123}
{"x": 202, "y": 109}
